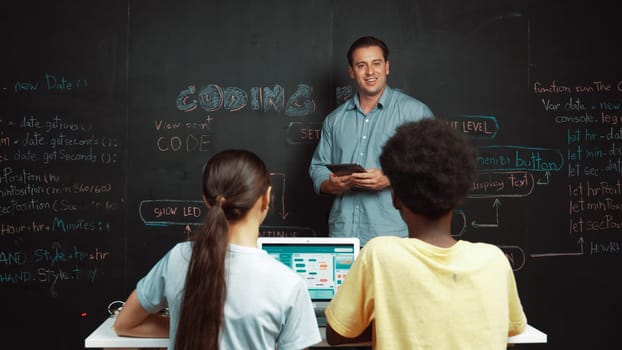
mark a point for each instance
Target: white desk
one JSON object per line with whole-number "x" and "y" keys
{"x": 104, "y": 337}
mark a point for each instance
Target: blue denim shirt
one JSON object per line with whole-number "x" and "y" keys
{"x": 350, "y": 136}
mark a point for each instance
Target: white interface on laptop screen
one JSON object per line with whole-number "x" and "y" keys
{"x": 322, "y": 266}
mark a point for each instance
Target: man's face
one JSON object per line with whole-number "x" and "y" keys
{"x": 369, "y": 70}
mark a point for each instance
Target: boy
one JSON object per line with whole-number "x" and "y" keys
{"x": 427, "y": 291}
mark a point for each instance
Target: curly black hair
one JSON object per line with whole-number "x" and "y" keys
{"x": 431, "y": 166}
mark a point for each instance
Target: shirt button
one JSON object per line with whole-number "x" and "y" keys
{"x": 364, "y": 137}
{"x": 362, "y": 153}
{"x": 366, "y": 120}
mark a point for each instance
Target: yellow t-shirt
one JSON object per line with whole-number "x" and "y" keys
{"x": 421, "y": 296}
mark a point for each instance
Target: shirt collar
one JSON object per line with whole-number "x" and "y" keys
{"x": 355, "y": 102}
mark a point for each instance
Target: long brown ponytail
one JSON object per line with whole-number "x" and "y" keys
{"x": 233, "y": 181}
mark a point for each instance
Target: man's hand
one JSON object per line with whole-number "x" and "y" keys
{"x": 373, "y": 179}
{"x": 336, "y": 184}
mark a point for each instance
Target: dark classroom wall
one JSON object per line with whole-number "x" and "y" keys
{"x": 108, "y": 111}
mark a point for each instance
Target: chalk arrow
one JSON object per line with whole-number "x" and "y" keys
{"x": 188, "y": 231}
{"x": 496, "y": 204}
{"x": 544, "y": 255}
{"x": 548, "y": 176}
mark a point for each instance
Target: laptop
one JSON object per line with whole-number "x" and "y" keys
{"x": 323, "y": 262}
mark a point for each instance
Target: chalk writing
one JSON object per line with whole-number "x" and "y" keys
{"x": 515, "y": 255}
{"x": 303, "y": 133}
{"x": 60, "y": 165}
{"x": 496, "y": 158}
{"x": 503, "y": 184}
{"x": 343, "y": 93}
{"x": 31, "y": 191}
{"x": 599, "y": 223}
{"x": 212, "y": 98}
{"x": 51, "y": 265}
{"x": 166, "y": 212}
{"x": 171, "y": 212}
{"x": 554, "y": 87}
{"x": 196, "y": 136}
{"x": 588, "y": 116}
{"x": 55, "y": 139}
{"x": 458, "y": 223}
{"x": 204, "y": 124}
{"x": 476, "y": 126}
{"x": 188, "y": 143}
{"x": 605, "y": 248}
{"x": 51, "y": 82}
{"x": 30, "y": 227}
{"x": 286, "y": 231}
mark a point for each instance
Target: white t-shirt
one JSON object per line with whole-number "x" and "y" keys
{"x": 266, "y": 304}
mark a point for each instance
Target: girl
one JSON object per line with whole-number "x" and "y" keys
{"x": 222, "y": 292}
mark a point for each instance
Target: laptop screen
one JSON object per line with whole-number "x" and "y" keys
{"x": 322, "y": 262}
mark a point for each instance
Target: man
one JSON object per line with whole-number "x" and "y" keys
{"x": 355, "y": 133}
{"x": 427, "y": 291}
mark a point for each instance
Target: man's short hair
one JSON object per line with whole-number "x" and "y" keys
{"x": 431, "y": 166}
{"x": 368, "y": 41}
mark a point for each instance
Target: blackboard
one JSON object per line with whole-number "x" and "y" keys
{"x": 109, "y": 110}
{"x": 63, "y": 102}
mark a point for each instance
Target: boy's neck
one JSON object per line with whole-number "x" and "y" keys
{"x": 433, "y": 231}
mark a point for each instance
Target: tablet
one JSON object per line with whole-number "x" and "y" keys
{"x": 345, "y": 169}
